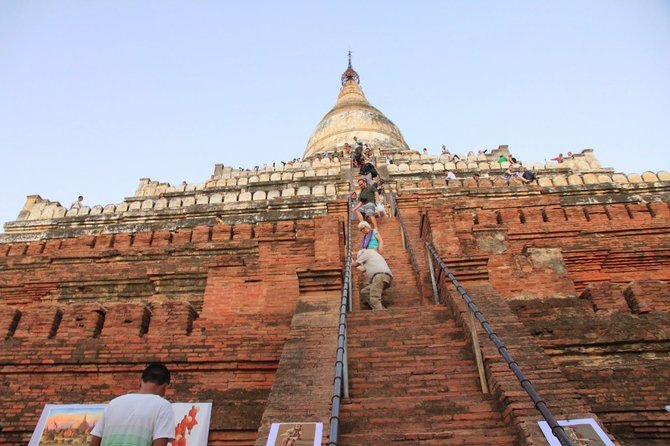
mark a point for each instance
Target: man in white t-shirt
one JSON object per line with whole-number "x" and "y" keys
{"x": 144, "y": 418}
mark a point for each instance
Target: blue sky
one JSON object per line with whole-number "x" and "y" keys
{"x": 95, "y": 95}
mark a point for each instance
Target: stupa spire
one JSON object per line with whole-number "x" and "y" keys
{"x": 350, "y": 74}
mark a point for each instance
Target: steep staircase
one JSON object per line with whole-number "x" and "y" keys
{"x": 413, "y": 380}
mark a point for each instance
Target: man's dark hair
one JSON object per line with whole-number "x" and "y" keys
{"x": 157, "y": 374}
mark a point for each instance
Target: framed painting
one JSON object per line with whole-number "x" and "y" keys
{"x": 582, "y": 432}
{"x": 66, "y": 424}
{"x": 295, "y": 434}
{"x": 192, "y": 428}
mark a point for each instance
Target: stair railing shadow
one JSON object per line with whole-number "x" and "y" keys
{"x": 475, "y": 313}
{"x": 406, "y": 243}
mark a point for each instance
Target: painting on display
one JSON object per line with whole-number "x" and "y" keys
{"x": 71, "y": 424}
{"x": 295, "y": 434}
{"x": 192, "y": 427}
{"x": 66, "y": 424}
{"x": 582, "y": 432}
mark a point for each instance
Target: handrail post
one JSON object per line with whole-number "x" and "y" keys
{"x": 436, "y": 294}
{"x": 478, "y": 353}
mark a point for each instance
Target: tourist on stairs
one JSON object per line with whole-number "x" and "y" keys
{"x": 378, "y": 277}
{"x": 371, "y": 237}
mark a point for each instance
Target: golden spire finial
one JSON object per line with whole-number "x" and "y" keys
{"x": 350, "y": 74}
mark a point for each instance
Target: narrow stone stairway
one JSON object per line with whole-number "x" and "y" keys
{"x": 412, "y": 378}
{"x": 404, "y": 292}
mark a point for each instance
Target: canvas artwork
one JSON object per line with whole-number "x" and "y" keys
{"x": 582, "y": 432}
{"x": 192, "y": 427}
{"x": 71, "y": 424}
{"x": 68, "y": 424}
{"x": 295, "y": 434}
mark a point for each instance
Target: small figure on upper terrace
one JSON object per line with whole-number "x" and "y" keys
{"x": 450, "y": 176}
{"x": 367, "y": 151}
{"x": 475, "y": 176}
{"x": 526, "y": 176}
{"x": 508, "y": 175}
{"x": 78, "y": 203}
{"x": 445, "y": 151}
{"x": 558, "y": 159}
{"x": 502, "y": 159}
{"x": 425, "y": 151}
{"x": 377, "y": 274}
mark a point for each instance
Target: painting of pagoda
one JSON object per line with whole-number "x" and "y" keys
{"x": 69, "y": 425}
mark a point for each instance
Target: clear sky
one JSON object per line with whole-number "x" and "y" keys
{"x": 95, "y": 95}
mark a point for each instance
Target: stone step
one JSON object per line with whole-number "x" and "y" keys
{"x": 458, "y": 419}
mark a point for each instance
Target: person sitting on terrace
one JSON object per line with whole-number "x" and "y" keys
{"x": 450, "y": 176}
{"x": 502, "y": 159}
{"x": 445, "y": 151}
{"x": 509, "y": 174}
{"x": 371, "y": 237}
{"x": 475, "y": 176}
{"x": 367, "y": 201}
{"x": 526, "y": 176}
{"x": 558, "y": 159}
{"x": 77, "y": 204}
{"x": 367, "y": 151}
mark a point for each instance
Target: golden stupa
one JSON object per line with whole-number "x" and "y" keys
{"x": 352, "y": 116}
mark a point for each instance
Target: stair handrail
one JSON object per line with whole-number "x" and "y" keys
{"x": 341, "y": 380}
{"x": 539, "y": 403}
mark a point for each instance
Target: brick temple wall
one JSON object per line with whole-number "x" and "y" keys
{"x": 579, "y": 289}
{"x": 81, "y": 317}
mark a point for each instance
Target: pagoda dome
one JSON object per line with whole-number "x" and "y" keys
{"x": 352, "y": 116}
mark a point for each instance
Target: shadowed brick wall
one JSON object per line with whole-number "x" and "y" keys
{"x": 80, "y": 318}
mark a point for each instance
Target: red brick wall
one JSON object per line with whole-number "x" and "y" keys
{"x": 214, "y": 303}
{"x": 585, "y": 288}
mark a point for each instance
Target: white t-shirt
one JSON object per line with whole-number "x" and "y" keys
{"x": 135, "y": 420}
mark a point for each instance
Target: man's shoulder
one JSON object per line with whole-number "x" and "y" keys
{"x": 139, "y": 398}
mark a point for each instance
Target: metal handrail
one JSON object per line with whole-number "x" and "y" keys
{"x": 341, "y": 380}
{"x": 539, "y": 403}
